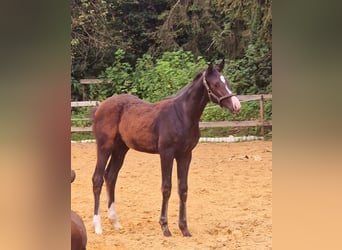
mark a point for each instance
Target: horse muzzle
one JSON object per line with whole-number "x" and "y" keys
{"x": 232, "y": 103}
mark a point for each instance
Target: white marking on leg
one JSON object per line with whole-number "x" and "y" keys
{"x": 112, "y": 215}
{"x": 97, "y": 224}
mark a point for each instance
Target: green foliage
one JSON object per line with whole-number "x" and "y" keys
{"x": 252, "y": 74}
{"x": 119, "y": 75}
{"x": 76, "y": 136}
{"x": 167, "y": 75}
{"x": 152, "y": 79}
{"x": 268, "y": 110}
{"x": 224, "y": 132}
{"x": 92, "y": 41}
{"x": 75, "y": 90}
{"x": 249, "y": 111}
{"x": 207, "y": 28}
{"x": 79, "y": 117}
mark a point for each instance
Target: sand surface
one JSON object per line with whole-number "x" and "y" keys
{"x": 229, "y": 199}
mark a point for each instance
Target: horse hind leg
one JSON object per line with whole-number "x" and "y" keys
{"x": 102, "y": 158}
{"x": 111, "y": 174}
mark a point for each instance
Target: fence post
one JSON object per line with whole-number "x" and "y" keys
{"x": 262, "y": 114}
{"x": 83, "y": 93}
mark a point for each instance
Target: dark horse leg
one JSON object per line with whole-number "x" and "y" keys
{"x": 102, "y": 158}
{"x": 183, "y": 163}
{"x": 111, "y": 174}
{"x": 166, "y": 167}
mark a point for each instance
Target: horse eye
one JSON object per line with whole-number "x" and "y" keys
{"x": 216, "y": 84}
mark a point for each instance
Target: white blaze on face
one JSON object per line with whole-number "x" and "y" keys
{"x": 235, "y": 101}
{"x": 222, "y": 79}
{"x": 225, "y": 84}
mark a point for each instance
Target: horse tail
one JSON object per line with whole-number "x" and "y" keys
{"x": 92, "y": 114}
{"x": 93, "y": 111}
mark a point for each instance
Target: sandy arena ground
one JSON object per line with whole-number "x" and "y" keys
{"x": 229, "y": 199}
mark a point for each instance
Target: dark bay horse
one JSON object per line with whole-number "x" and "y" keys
{"x": 169, "y": 128}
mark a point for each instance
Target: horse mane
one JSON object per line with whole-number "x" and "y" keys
{"x": 184, "y": 89}
{"x": 199, "y": 75}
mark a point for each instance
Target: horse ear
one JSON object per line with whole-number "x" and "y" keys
{"x": 210, "y": 68}
{"x": 221, "y": 66}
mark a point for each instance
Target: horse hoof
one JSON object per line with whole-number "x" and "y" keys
{"x": 98, "y": 230}
{"x": 166, "y": 232}
{"x": 117, "y": 226}
{"x": 186, "y": 233}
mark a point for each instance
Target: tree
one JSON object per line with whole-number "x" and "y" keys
{"x": 215, "y": 28}
{"x": 99, "y": 27}
{"x": 238, "y": 30}
{"x": 92, "y": 40}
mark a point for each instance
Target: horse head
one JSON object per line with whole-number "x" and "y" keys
{"x": 218, "y": 88}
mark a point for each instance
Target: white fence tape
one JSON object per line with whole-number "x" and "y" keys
{"x": 210, "y": 139}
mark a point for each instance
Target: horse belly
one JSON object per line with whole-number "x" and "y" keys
{"x": 139, "y": 135}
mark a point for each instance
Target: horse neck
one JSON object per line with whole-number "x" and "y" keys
{"x": 192, "y": 100}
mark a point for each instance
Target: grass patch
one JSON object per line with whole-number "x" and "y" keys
{"x": 224, "y": 132}
{"x": 79, "y": 136}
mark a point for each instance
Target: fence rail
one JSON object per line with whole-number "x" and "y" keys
{"x": 85, "y": 104}
{"x": 243, "y": 98}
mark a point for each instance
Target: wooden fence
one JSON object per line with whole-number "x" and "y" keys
{"x": 243, "y": 98}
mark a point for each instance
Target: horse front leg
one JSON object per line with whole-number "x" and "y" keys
{"x": 166, "y": 167}
{"x": 183, "y": 163}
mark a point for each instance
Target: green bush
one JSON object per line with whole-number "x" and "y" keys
{"x": 251, "y": 74}
{"x": 78, "y": 116}
{"x": 249, "y": 111}
{"x": 167, "y": 75}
